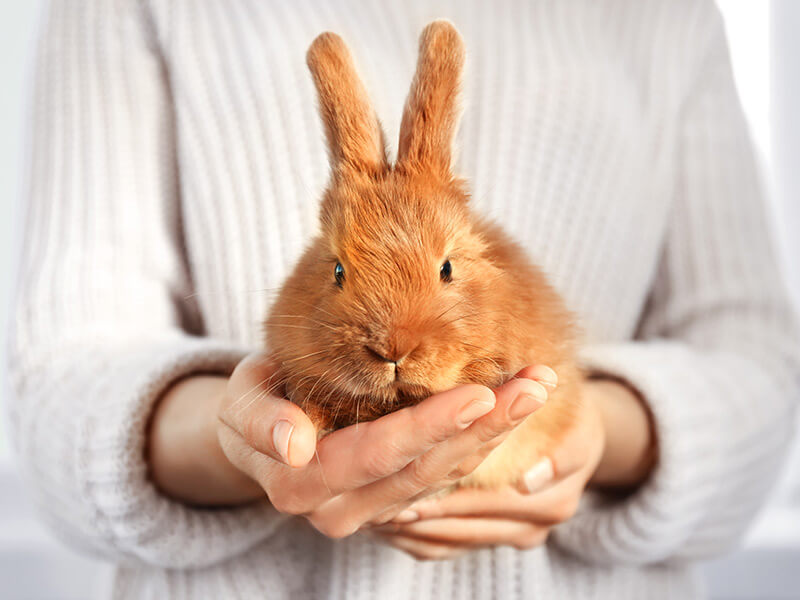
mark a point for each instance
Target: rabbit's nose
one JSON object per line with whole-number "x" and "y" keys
{"x": 397, "y": 347}
{"x": 380, "y": 356}
{"x": 393, "y": 357}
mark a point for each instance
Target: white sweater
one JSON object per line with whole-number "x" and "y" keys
{"x": 177, "y": 164}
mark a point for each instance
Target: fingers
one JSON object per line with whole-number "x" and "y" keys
{"x": 388, "y": 444}
{"x": 579, "y": 451}
{"x": 541, "y": 373}
{"x": 554, "y": 505}
{"x": 582, "y": 446}
{"x": 424, "y": 550}
{"x": 359, "y": 455}
{"x": 538, "y": 477}
{"x": 270, "y": 424}
{"x": 472, "y": 532}
{"x": 515, "y": 400}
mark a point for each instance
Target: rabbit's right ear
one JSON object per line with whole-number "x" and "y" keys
{"x": 432, "y": 111}
{"x": 355, "y": 139}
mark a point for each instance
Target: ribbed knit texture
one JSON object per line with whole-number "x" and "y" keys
{"x": 177, "y": 164}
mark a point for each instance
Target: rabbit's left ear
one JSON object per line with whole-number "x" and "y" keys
{"x": 432, "y": 110}
{"x": 355, "y": 138}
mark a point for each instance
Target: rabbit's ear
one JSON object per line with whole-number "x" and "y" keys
{"x": 355, "y": 139}
{"x": 432, "y": 111}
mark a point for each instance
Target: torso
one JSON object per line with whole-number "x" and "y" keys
{"x": 562, "y": 141}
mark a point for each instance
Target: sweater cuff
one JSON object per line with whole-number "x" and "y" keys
{"x": 139, "y": 522}
{"x": 655, "y": 521}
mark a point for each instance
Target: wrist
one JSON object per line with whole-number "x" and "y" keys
{"x": 184, "y": 455}
{"x": 629, "y": 453}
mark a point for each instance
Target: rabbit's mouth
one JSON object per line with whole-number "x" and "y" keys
{"x": 394, "y": 393}
{"x": 410, "y": 393}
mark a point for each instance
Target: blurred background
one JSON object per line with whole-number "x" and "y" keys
{"x": 766, "y": 57}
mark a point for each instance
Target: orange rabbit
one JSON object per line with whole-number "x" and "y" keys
{"x": 406, "y": 292}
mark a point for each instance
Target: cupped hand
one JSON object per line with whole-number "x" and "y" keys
{"x": 365, "y": 474}
{"x": 469, "y": 518}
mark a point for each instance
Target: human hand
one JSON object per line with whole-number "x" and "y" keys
{"x": 368, "y": 473}
{"x": 472, "y": 518}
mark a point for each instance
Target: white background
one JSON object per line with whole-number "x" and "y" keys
{"x": 766, "y": 54}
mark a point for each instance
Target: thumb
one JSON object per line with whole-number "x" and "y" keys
{"x": 268, "y": 423}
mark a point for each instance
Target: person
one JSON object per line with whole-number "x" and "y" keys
{"x": 177, "y": 163}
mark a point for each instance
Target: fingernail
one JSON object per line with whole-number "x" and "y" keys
{"x": 473, "y": 411}
{"x": 281, "y": 434}
{"x": 407, "y": 516}
{"x": 527, "y": 402}
{"x": 546, "y": 376}
{"x": 539, "y": 475}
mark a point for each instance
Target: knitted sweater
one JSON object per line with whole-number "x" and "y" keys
{"x": 177, "y": 163}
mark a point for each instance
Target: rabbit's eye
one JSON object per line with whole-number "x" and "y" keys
{"x": 446, "y": 271}
{"x": 338, "y": 274}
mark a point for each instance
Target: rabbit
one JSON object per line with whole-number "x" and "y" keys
{"x": 406, "y": 292}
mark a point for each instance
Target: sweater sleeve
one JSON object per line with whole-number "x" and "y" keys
{"x": 100, "y": 323}
{"x": 716, "y": 356}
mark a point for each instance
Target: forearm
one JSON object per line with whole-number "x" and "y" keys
{"x": 630, "y": 446}
{"x": 184, "y": 455}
